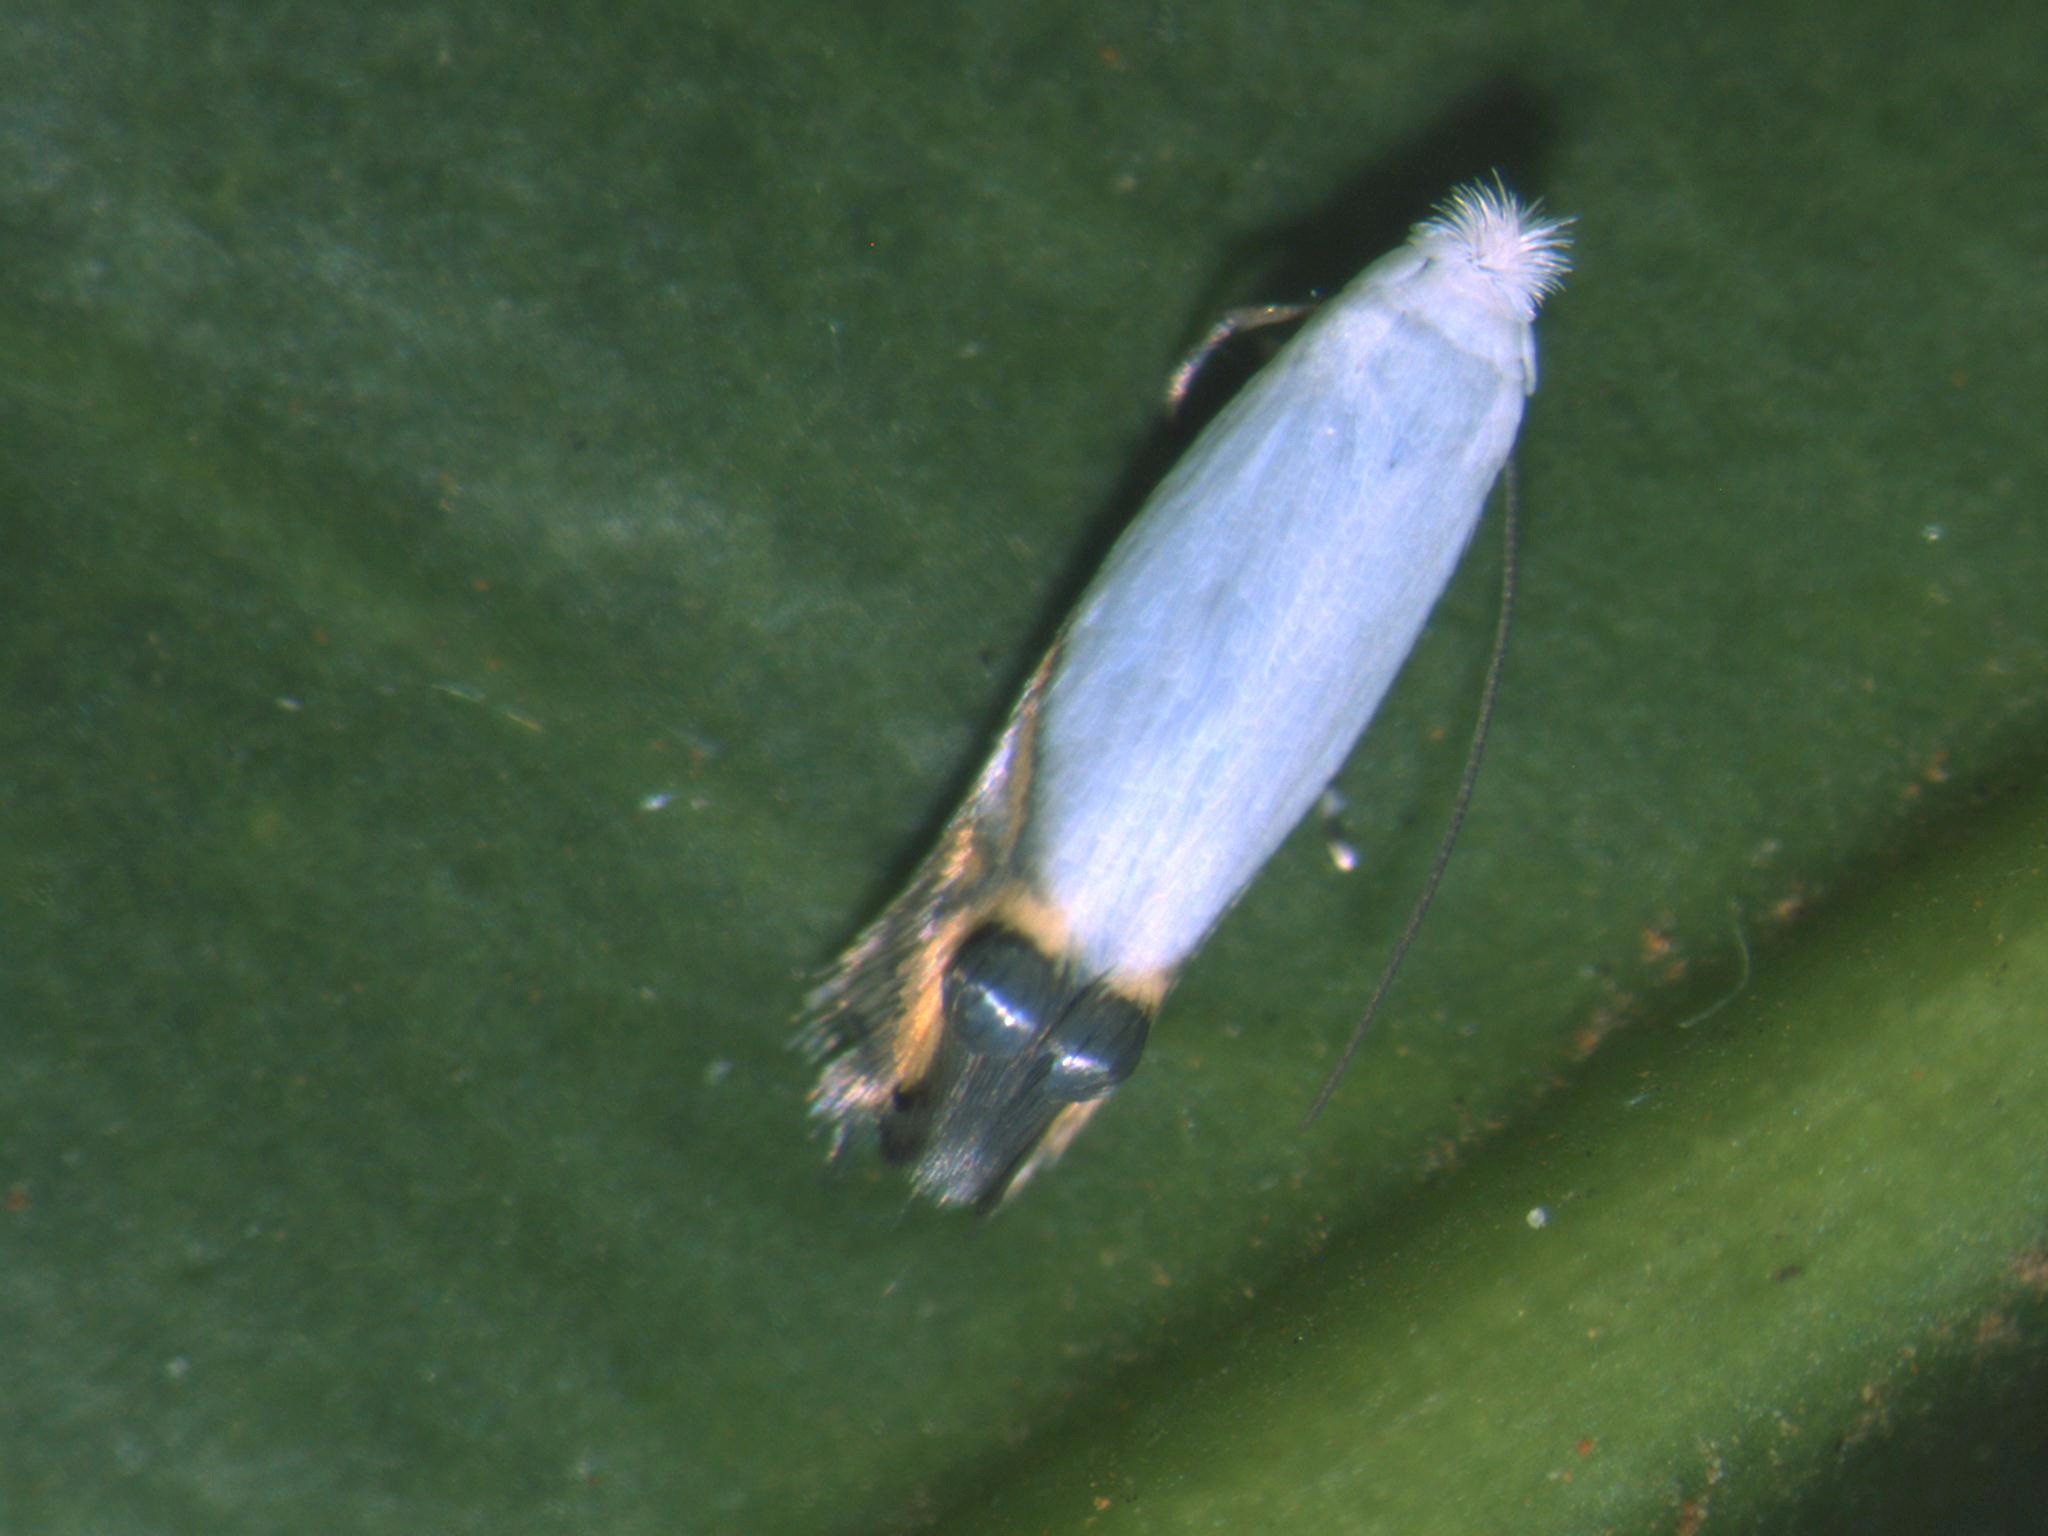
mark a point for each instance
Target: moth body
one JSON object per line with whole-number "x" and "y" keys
{"x": 1208, "y": 686}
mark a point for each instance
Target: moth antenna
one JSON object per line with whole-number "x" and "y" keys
{"x": 1488, "y": 697}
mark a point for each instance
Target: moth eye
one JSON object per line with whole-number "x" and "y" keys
{"x": 998, "y": 991}
{"x": 1094, "y": 1046}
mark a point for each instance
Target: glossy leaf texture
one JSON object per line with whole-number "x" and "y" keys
{"x": 521, "y": 521}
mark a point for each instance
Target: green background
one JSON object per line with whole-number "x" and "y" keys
{"x": 519, "y": 521}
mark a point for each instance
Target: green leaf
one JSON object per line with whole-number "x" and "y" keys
{"x": 1738, "y": 1250}
{"x": 522, "y": 519}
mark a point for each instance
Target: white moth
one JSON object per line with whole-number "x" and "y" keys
{"x": 1209, "y": 685}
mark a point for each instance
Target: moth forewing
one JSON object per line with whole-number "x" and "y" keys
{"x": 1204, "y": 692}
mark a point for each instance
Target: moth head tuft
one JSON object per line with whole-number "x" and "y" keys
{"x": 1502, "y": 240}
